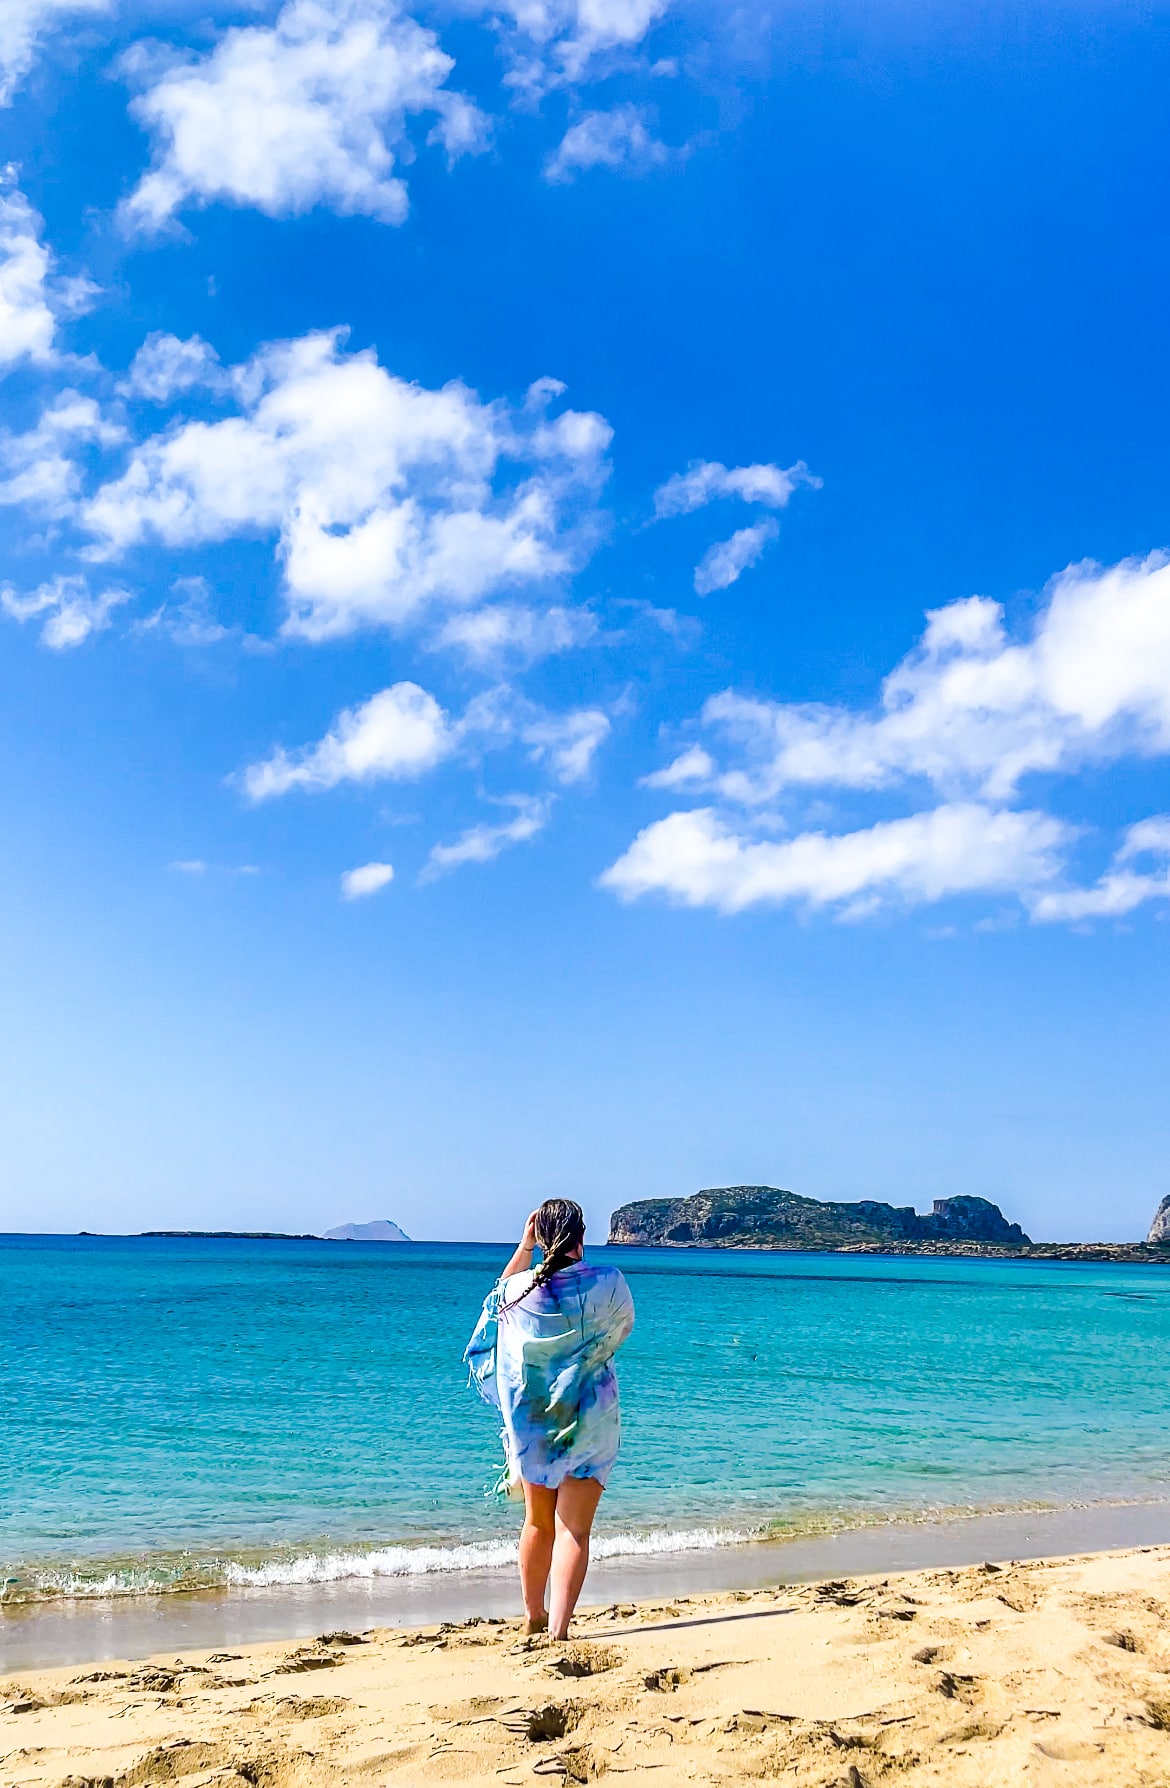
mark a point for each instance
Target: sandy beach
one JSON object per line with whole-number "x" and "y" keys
{"x": 1049, "y": 1671}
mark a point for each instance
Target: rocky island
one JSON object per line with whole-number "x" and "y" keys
{"x": 381, "y": 1230}
{"x": 767, "y": 1217}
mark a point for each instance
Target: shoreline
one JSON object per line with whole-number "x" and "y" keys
{"x": 42, "y": 1635}
{"x": 984, "y": 1676}
{"x": 1091, "y": 1253}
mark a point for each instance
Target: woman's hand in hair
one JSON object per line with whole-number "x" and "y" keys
{"x": 522, "y": 1258}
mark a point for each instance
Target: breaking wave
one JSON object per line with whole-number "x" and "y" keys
{"x": 185, "y": 1573}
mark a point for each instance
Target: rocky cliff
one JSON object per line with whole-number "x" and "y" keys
{"x": 764, "y": 1217}
{"x": 1159, "y": 1236}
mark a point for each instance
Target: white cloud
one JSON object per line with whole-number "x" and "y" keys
{"x": 619, "y": 139}
{"x": 189, "y": 619}
{"x": 505, "y": 630}
{"x": 68, "y": 611}
{"x": 692, "y": 766}
{"x": 696, "y": 859}
{"x": 559, "y": 41}
{"x": 197, "y": 866}
{"x": 971, "y": 710}
{"x": 705, "y": 481}
{"x": 724, "y": 563}
{"x": 164, "y": 366}
{"x": 483, "y": 843}
{"x": 400, "y": 733}
{"x": 308, "y": 111}
{"x": 1123, "y": 887}
{"x": 370, "y": 878}
{"x": 386, "y": 497}
{"x": 23, "y": 25}
{"x": 567, "y": 742}
{"x": 42, "y": 467}
{"x": 29, "y": 304}
{"x": 1150, "y": 837}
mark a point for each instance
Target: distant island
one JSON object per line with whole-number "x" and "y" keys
{"x": 382, "y": 1230}
{"x": 767, "y": 1217}
{"x": 225, "y": 1235}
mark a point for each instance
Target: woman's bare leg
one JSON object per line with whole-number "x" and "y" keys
{"x": 576, "y": 1505}
{"x": 536, "y": 1551}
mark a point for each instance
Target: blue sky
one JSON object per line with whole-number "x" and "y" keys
{"x": 584, "y": 609}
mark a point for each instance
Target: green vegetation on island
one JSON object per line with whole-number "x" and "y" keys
{"x": 767, "y": 1217}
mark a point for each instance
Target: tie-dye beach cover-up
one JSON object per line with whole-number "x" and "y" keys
{"x": 543, "y": 1356}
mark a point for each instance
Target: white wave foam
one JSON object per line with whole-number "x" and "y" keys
{"x": 691, "y": 1539}
{"x": 292, "y": 1569}
{"x": 423, "y": 1561}
{"x": 385, "y": 1561}
{"x": 127, "y": 1581}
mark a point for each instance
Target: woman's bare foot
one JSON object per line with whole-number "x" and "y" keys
{"x": 536, "y": 1623}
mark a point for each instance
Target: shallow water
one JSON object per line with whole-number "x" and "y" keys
{"x": 175, "y": 1413}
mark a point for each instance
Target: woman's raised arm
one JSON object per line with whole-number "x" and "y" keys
{"x": 522, "y": 1259}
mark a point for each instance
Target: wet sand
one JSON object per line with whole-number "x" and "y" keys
{"x": 1049, "y": 1671}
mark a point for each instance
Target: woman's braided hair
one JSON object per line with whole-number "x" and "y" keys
{"x": 560, "y": 1231}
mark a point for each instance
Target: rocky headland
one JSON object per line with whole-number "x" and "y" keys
{"x": 768, "y": 1217}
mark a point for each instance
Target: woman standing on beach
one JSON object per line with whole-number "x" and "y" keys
{"x": 542, "y": 1354}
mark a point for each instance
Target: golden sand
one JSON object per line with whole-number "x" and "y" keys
{"x": 1040, "y": 1673}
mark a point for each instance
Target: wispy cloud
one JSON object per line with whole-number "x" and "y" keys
{"x": 42, "y": 464}
{"x": 165, "y": 366}
{"x": 568, "y": 743}
{"x": 620, "y": 140}
{"x": 725, "y": 563}
{"x": 67, "y": 609}
{"x": 1125, "y": 886}
{"x": 198, "y": 866}
{"x": 708, "y": 481}
{"x": 483, "y": 843}
{"x": 509, "y": 632}
{"x": 556, "y": 43}
{"x": 705, "y": 481}
{"x": 24, "y": 24}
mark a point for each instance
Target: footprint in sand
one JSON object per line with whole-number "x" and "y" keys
{"x": 556, "y": 1719}
{"x": 585, "y": 1660}
{"x": 668, "y": 1679}
{"x": 1070, "y": 1750}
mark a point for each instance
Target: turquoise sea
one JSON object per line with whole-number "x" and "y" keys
{"x": 181, "y": 1412}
